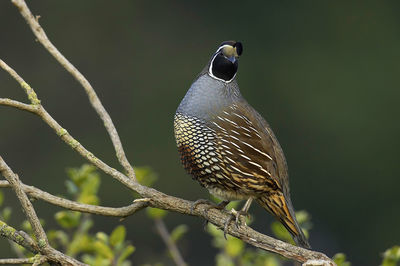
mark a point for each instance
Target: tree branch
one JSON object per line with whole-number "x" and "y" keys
{"x": 30, "y": 213}
{"x": 173, "y": 249}
{"x": 93, "y": 98}
{"x": 16, "y": 261}
{"x": 22, "y": 106}
{"x": 76, "y": 206}
{"x": 19, "y": 237}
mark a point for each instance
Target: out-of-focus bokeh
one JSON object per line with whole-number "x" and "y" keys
{"x": 324, "y": 74}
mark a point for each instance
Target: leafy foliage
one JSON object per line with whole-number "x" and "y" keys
{"x": 391, "y": 257}
{"x": 340, "y": 260}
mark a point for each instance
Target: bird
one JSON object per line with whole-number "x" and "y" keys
{"x": 228, "y": 147}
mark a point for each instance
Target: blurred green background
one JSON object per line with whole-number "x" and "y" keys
{"x": 325, "y": 74}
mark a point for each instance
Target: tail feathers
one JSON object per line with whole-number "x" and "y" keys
{"x": 278, "y": 206}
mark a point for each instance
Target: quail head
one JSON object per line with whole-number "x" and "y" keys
{"x": 228, "y": 147}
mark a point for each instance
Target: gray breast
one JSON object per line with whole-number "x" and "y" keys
{"x": 207, "y": 97}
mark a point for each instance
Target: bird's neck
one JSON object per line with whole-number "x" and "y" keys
{"x": 207, "y": 96}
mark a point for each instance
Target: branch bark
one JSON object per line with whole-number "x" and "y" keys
{"x": 18, "y": 237}
{"x": 36, "y": 193}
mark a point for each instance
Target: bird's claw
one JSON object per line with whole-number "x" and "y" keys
{"x": 201, "y": 201}
{"x": 211, "y": 205}
{"x": 235, "y": 215}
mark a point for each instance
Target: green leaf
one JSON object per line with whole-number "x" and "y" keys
{"x": 125, "y": 254}
{"x": 224, "y": 260}
{"x": 234, "y": 247}
{"x": 391, "y": 256}
{"x": 340, "y": 260}
{"x": 280, "y": 232}
{"x": 58, "y": 236}
{"x": 6, "y": 213}
{"x": 80, "y": 175}
{"x": 102, "y": 237}
{"x": 145, "y": 175}
{"x": 117, "y": 236}
{"x": 155, "y": 213}
{"x": 178, "y": 232}
{"x": 218, "y": 236}
{"x": 68, "y": 219}
{"x": 71, "y": 187}
{"x": 103, "y": 250}
{"x": 80, "y": 243}
{"x": 26, "y": 226}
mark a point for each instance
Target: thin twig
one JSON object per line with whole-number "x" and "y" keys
{"x": 166, "y": 237}
{"x": 30, "y": 213}
{"x": 93, "y": 98}
{"x": 18, "y": 237}
{"x": 16, "y": 261}
{"x": 19, "y": 105}
{"x": 81, "y": 207}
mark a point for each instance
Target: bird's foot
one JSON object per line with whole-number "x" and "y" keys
{"x": 235, "y": 215}
{"x": 211, "y": 205}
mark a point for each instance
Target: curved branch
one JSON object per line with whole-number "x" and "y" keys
{"x": 30, "y": 213}
{"x": 19, "y": 237}
{"x": 22, "y": 106}
{"x": 93, "y": 98}
{"x": 76, "y": 206}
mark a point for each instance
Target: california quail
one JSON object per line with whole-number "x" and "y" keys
{"x": 228, "y": 147}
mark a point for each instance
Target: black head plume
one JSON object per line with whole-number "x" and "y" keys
{"x": 224, "y": 63}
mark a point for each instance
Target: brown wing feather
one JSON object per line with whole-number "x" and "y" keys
{"x": 248, "y": 151}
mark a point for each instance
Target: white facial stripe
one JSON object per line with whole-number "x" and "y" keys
{"x": 212, "y": 61}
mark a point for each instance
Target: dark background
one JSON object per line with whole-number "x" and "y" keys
{"x": 325, "y": 75}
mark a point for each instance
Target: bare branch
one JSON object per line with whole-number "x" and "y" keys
{"x": 18, "y": 237}
{"x": 36, "y": 260}
{"x": 93, "y": 98}
{"x": 166, "y": 237}
{"x": 16, "y": 261}
{"x": 30, "y": 213}
{"x": 28, "y": 90}
{"x": 76, "y": 206}
{"x": 22, "y": 106}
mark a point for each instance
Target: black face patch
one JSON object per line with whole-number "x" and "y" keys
{"x": 239, "y": 48}
{"x": 223, "y": 68}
